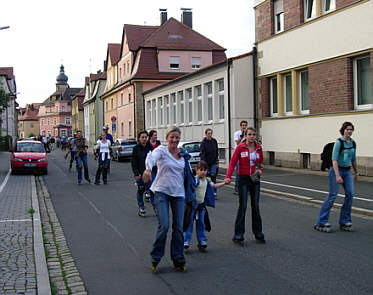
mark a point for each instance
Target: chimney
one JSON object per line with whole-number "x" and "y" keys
{"x": 163, "y": 15}
{"x": 186, "y": 17}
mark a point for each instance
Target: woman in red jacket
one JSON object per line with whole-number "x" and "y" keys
{"x": 250, "y": 167}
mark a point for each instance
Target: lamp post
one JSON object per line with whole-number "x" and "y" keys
{"x": 3, "y": 28}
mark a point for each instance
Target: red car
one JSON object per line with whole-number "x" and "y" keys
{"x": 29, "y": 156}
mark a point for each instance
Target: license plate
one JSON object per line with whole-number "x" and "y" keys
{"x": 30, "y": 165}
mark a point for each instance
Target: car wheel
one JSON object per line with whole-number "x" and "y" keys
{"x": 13, "y": 171}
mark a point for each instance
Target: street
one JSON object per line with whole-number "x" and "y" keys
{"x": 111, "y": 243}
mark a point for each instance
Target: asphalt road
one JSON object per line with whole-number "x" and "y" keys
{"x": 111, "y": 244}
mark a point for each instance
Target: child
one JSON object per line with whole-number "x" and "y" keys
{"x": 204, "y": 197}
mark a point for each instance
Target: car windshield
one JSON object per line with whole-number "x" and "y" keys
{"x": 30, "y": 147}
{"x": 192, "y": 147}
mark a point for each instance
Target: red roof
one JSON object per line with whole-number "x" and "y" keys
{"x": 114, "y": 52}
{"x": 7, "y": 71}
{"x": 137, "y": 34}
{"x": 31, "y": 113}
{"x": 99, "y": 75}
{"x": 177, "y": 36}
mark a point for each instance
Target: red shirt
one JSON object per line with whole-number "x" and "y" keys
{"x": 242, "y": 155}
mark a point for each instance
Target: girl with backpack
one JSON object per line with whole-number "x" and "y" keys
{"x": 343, "y": 157}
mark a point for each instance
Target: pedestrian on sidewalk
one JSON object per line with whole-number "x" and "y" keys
{"x": 173, "y": 185}
{"x": 343, "y": 157}
{"x": 205, "y": 196}
{"x": 108, "y": 137}
{"x": 103, "y": 155}
{"x": 239, "y": 137}
{"x": 149, "y": 196}
{"x": 210, "y": 154}
{"x": 71, "y": 151}
{"x": 249, "y": 155}
{"x": 139, "y": 154}
{"x": 81, "y": 156}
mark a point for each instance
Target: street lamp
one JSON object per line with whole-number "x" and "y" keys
{"x": 3, "y": 28}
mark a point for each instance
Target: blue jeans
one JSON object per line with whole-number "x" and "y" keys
{"x": 236, "y": 179}
{"x": 102, "y": 169}
{"x": 200, "y": 227}
{"x": 162, "y": 203}
{"x": 245, "y": 185}
{"x": 141, "y": 188}
{"x": 348, "y": 186}
{"x": 81, "y": 160}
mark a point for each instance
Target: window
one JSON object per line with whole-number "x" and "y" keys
{"x": 129, "y": 97}
{"x": 309, "y": 9}
{"x": 50, "y": 110}
{"x": 121, "y": 99}
{"x": 154, "y": 103}
{"x": 198, "y": 97}
{"x": 49, "y": 133}
{"x": 160, "y": 111}
{"x": 149, "y": 112}
{"x": 112, "y": 103}
{"x": 63, "y": 132}
{"x": 221, "y": 98}
{"x": 273, "y": 96}
{"x": 196, "y": 62}
{"x": 304, "y": 96}
{"x": 42, "y": 122}
{"x": 54, "y": 121}
{"x": 173, "y": 108}
{"x": 208, "y": 92}
{"x": 107, "y": 106}
{"x": 174, "y": 62}
{"x": 288, "y": 99}
{"x": 189, "y": 100}
{"x": 328, "y": 5}
{"x": 43, "y": 132}
{"x": 62, "y": 108}
{"x": 128, "y": 66}
{"x": 67, "y": 121}
{"x": 57, "y": 109}
{"x": 180, "y": 98}
{"x": 120, "y": 73}
{"x": 362, "y": 82}
{"x": 129, "y": 128}
{"x": 121, "y": 128}
{"x": 278, "y": 11}
{"x": 48, "y": 121}
{"x": 167, "y": 109}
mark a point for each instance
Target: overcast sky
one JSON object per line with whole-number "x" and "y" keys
{"x": 45, "y": 33}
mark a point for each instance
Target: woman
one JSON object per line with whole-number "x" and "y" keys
{"x": 139, "y": 153}
{"x": 343, "y": 157}
{"x": 153, "y": 139}
{"x": 103, "y": 154}
{"x": 149, "y": 196}
{"x": 173, "y": 185}
{"x": 250, "y": 168}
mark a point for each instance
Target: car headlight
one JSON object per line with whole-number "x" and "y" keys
{"x": 42, "y": 160}
{"x": 17, "y": 159}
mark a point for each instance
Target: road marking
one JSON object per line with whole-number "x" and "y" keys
{"x": 311, "y": 190}
{"x": 5, "y": 181}
{"x": 15, "y": 220}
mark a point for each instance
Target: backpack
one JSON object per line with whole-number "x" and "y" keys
{"x": 326, "y": 155}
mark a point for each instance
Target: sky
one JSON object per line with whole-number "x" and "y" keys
{"x": 44, "y": 34}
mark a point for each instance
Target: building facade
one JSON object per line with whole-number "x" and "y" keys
{"x": 28, "y": 124}
{"x": 77, "y": 111}
{"x": 219, "y": 97}
{"x": 314, "y": 73}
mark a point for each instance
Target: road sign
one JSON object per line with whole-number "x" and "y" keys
{"x": 113, "y": 127}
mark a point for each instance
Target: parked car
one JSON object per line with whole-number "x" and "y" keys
{"x": 122, "y": 148}
{"x": 192, "y": 147}
{"x": 29, "y": 155}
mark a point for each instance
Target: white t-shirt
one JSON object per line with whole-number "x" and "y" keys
{"x": 237, "y": 135}
{"x": 104, "y": 148}
{"x": 170, "y": 174}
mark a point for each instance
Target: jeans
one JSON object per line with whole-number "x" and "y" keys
{"x": 162, "y": 203}
{"x": 81, "y": 160}
{"x": 141, "y": 188}
{"x": 246, "y": 185}
{"x": 72, "y": 157}
{"x": 236, "y": 179}
{"x": 348, "y": 186}
{"x": 102, "y": 169}
{"x": 200, "y": 227}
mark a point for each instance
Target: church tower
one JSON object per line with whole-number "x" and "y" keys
{"x": 61, "y": 84}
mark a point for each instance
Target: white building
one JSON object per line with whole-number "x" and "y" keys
{"x": 217, "y": 97}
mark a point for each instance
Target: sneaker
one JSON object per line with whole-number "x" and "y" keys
{"x": 346, "y": 227}
{"x": 260, "y": 238}
{"x": 323, "y": 227}
{"x": 186, "y": 245}
{"x": 97, "y": 183}
{"x": 79, "y": 182}
{"x": 202, "y": 244}
{"x": 142, "y": 211}
{"x": 237, "y": 239}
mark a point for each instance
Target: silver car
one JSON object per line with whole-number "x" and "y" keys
{"x": 192, "y": 147}
{"x": 122, "y": 148}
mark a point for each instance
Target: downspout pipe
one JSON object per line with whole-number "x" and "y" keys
{"x": 229, "y": 63}
{"x": 255, "y": 87}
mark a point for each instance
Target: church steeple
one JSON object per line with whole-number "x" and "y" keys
{"x": 62, "y": 79}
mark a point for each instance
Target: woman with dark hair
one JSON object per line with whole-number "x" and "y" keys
{"x": 154, "y": 142}
{"x": 103, "y": 155}
{"x": 249, "y": 155}
{"x": 153, "y": 139}
{"x": 173, "y": 186}
{"x": 343, "y": 157}
{"x": 139, "y": 153}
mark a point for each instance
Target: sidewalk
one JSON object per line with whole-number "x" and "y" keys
{"x": 22, "y": 260}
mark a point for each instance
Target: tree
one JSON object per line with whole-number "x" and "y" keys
{"x": 4, "y": 99}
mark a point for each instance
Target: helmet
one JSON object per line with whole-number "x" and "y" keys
{"x": 105, "y": 127}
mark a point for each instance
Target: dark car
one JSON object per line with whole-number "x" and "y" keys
{"x": 122, "y": 148}
{"x": 29, "y": 155}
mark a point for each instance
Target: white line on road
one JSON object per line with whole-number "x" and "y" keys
{"x": 5, "y": 181}
{"x": 312, "y": 190}
{"x": 15, "y": 220}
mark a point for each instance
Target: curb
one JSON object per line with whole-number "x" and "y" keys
{"x": 42, "y": 276}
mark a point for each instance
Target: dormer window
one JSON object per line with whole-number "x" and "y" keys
{"x": 196, "y": 62}
{"x": 174, "y": 62}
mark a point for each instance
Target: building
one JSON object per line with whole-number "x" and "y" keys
{"x": 314, "y": 72}
{"x": 93, "y": 107}
{"x": 28, "y": 124}
{"x": 218, "y": 96}
{"x": 77, "y": 111}
{"x": 8, "y": 116}
{"x": 55, "y": 112}
{"x": 150, "y": 56}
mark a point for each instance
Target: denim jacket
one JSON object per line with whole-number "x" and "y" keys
{"x": 189, "y": 180}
